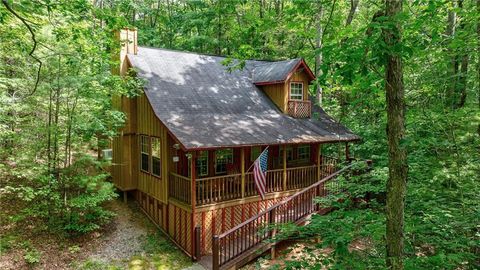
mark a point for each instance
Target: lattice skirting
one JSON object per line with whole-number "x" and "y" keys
{"x": 177, "y": 221}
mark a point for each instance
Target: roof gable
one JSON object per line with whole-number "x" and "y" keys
{"x": 279, "y": 72}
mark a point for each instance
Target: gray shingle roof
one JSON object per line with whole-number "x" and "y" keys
{"x": 204, "y": 106}
{"x": 274, "y": 71}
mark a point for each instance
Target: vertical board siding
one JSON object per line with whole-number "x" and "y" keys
{"x": 278, "y": 94}
{"x": 179, "y": 227}
{"x": 299, "y": 76}
{"x": 148, "y": 124}
{"x": 141, "y": 120}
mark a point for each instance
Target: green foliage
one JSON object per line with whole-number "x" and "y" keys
{"x": 32, "y": 256}
{"x": 96, "y": 265}
{"x": 73, "y": 204}
{"x": 76, "y": 44}
{"x": 163, "y": 254}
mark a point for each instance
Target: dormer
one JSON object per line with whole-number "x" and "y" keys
{"x": 286, "y": 83}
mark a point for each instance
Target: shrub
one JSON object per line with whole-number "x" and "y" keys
{"x": 32, "y": 256}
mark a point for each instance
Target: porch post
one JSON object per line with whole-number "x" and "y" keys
{"x": 284, "y": 168}
{"x": 193, "y": 201}
{"x": 319, "y": 161}
{"x": 347, "y": 152}
{"x": 242, "y": 157}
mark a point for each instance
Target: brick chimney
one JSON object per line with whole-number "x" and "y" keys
{"x": 129, "y": 45}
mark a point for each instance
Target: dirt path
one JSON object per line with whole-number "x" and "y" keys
{"x": 130, "y": 241}
{"x": 127, "y": 236}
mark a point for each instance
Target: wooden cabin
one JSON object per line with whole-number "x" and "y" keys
{"x": 185, "y": 151}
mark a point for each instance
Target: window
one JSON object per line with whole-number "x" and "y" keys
{"x": 144, "y": 153}
{"x": 156, "y": 164}
{"x": 296, "y": 90}
{"x": 107, "y": 154}
{"x": 256, "y": 151}
{"x": 201, "y": 166}
{"x": 289, "y": 154}
{"x": 222, "y": 158}
{"x": 303, "y": 152}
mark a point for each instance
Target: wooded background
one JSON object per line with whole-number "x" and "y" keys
{"x": 56, "y": 89}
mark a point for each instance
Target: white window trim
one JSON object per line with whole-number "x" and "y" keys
{"x": 159, "y": 156}
{"x": 296, "y": 95}
{"x": 149, "y": 145}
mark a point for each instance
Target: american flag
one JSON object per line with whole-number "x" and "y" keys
{"x": 260, "y": 173}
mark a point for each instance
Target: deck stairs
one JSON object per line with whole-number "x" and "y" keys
{"x": 250, "y": 239}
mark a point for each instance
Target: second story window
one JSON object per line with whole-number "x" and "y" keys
{"x": 296, "y": 90}
{"x": 156, "y": 164}
{"x": 201, "y": 166}
{"x": 222, "y": 158}
{"x": 144, "y": 153}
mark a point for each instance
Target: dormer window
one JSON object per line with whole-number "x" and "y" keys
{"x": 296, "y": 91}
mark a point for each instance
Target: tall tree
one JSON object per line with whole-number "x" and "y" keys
{"x": 351, "y": 12}
{"x": 318, "y": 50}
{"x": 397, "y": 156}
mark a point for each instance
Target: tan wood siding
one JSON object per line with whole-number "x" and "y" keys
{"x": 141, "y": 120}
{"x": 124, "y": 146}
{"x": 148, "y": 124}
{"x": 299, "y": 76}
{"x": 278, "y": 94}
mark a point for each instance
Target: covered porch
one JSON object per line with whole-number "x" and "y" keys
{"x": 201, "y": 178}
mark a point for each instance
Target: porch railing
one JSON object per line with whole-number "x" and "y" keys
{"x": 231, "y": 246}
{"x": 179, "y": 187}
{"x": 218, "y": 188}
{"x": 301, "y": 177}
{"x": 229, "y": 187}
{"x": 300, "y": 108}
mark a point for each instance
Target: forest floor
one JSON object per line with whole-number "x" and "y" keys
{"x": 130, "y": 241}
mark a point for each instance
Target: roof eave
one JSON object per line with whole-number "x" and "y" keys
{"x": 204, "y": 148}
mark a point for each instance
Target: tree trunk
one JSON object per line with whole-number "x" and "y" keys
{"x": 453, "y": 65}
{"x": 397, "y": 156}
{"x": 478, "y": 56}
{"x": 478, "y": 60}
{"x": 461, "y": 86}
{"x": 351, "y": 13}
{"x": 318, "y": 51}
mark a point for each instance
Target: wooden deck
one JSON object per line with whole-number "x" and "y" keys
{"x": 211, "y": 190}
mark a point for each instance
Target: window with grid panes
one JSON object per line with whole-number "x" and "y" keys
{"x": 156, "y": 160}
{"x": 201, "y": 165}
{"x": 303, "y": 152}
{"x": 222, "y": 158}
{"x": 255, "y": 152}
{"x": 296, "y": 91}
{"x": 144, "y": 153}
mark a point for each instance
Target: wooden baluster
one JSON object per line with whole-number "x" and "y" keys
{"x": 210, "y": 187}
{"x": 215, "y": 253}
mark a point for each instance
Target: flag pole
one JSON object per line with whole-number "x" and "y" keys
{"x": 257, "y": 158}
